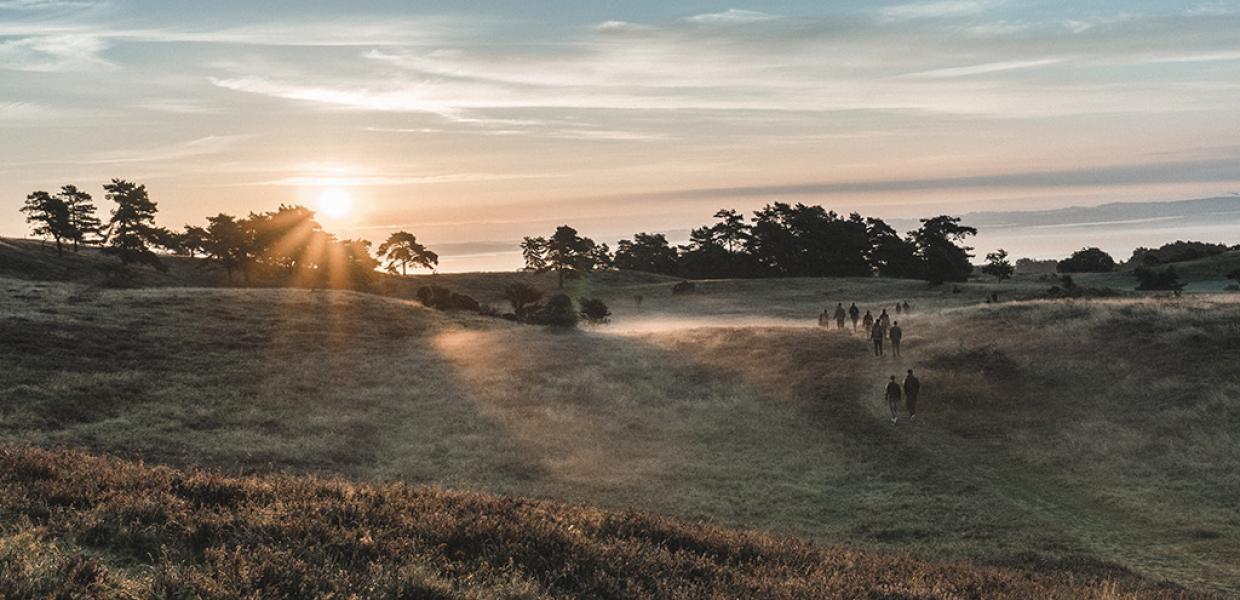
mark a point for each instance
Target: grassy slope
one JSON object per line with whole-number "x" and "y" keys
{"x": 1067, "y": 454}
{"x": 77, "y": 525}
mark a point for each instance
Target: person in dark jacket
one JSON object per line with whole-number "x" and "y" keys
{"x": 912, "y": 387}
{"x": 867, "y": 321}
{"x": 907, "y": 308}
{"x": 839, "y": 315}
{"x": 822, "y": 318}
{"x": 876, "y": 334}
{"x": 893, "y": 398}
{"x": 895, "y": 334}
{"x": 854, "y": 313}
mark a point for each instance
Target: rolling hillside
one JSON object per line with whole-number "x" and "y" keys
{"x": 1072, "y": 433}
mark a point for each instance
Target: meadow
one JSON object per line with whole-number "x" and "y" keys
{"x": 1092, "y": 438}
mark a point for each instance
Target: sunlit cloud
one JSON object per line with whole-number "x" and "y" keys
{"x": 732, "y": 16}
{"x": 54, "y": 53}
{"x": 934, "y": 10}
{"x": 986, "y": 68}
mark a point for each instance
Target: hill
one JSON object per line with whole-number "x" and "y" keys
{"x": 1052, "y": 429}
{"x": 78, "y": 525}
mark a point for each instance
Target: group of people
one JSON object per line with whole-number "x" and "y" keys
{"x": 879, "y": 330}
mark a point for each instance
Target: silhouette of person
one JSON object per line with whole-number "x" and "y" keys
{"x": 906, "y": 307}
{"x": 885, "y": 320}
{"x": 895, "y": 335}
{"x": 868, "y": 321}
{"x": 822, "y": 318}
{"x": 897, "y": 308}
{"x": 855, "y": 313}
{"x": 876, "y": 334}
{"x": 839, "y": 315}
{"x": 994, "y": 296}
{"x": 893, "y": 398}
{"x": 912, "y": 387}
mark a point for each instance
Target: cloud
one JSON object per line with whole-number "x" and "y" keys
{"x": 1192, "y": 171}
{"x": 385, "y": 180}
{"x": 32, "y": 5}
{"x": 934, "y": 10}
{"x": 732, "y": 16}
{"x": 195, "y": 148}
{"x": 986, "y": 68}
{"x": 54, "y": 53}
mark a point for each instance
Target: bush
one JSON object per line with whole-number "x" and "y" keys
{"x": 558, "y": 312}
{"x": 1149, "y": 280}
{"x": 442, "y": 298}
{"x": 683, "y": 287}
{"x": 523, "y": 297}
{"x": 1087, "y": 260}
{"x": 594, "y": 310}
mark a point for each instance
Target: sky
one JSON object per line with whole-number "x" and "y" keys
{"x": 472, "y": 124}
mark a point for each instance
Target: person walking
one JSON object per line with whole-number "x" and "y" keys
{"x": 884, "y": 319}
{"x": 855, "y": 313}
{"x": 907, "y": 308}
{"x": 867, "y": 322}
{"x": 894, "y": 335}
{"x": 839, "y": 316}
{"x": 893, "y": 399}
{"x": 912, "y": 388}
{"x": 822, "y": 318}
{"x": 876, "y": 334}
{"x": 897, "y": 308}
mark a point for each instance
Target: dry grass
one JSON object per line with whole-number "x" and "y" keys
{"x": 81, "y": 526}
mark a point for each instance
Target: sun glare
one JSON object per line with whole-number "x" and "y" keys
{"x": 335, "y": 203}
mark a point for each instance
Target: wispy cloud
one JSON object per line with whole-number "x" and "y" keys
{"x": 195, "y": 148}
{"x": 385, "y": 180}
{"x": 934, "y": 10}
{"x": 33, "y": 5}
{"x": 54, "y": 53}
{"x": 732, "y": 16}
{"x": 986, "y": 68}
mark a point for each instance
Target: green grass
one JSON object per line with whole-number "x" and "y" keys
{"x": 1113, "y": 438}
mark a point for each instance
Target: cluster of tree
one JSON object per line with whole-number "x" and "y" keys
{"x": 1154, "y": 279}
{"x": 1087, "y": 260}
{"x": 287, "y": 244}
{"x": 1177, "y": 251}
{"x": 558, "y": 311}
{"x": 998, "y": 266}
{"x": 781, "y": 240}
{"x": 1032, "y": 266}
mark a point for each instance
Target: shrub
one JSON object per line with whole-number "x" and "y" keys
{"x": 1167, "y": 279}
{"x": 523, "y": 297}
{"x": 558, "y": 312}
{"x": 1087, "y": 260}
{"x": 683, "y": 287}
{"x": 594, "y": 310}
{"x": 442, "y": 298}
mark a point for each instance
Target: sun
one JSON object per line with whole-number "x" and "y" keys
{"x": 335, "y": 203}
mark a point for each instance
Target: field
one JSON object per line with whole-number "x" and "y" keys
{"x": 1093, "y": 439}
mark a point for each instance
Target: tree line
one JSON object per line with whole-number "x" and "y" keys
{"x": 780, "y": 240}
{"x": 286, "y": 245}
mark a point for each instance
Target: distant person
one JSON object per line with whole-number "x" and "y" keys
{"x": 839, "y": 315}
{"x": 876, "y": 334}
{"x": 994, "y": 296}
{"x": 868, "y": 321}
{"x": 854, "y": 313}
{"x": 906, "y": 307}
{"x": 884, "y": 319}
{"x": 822, "y": 318}
{"x": 912, "y": 387}
{"x": 895, "y": 335}
{"x": 897, "y": 308}
{"x": 893, "y": 398}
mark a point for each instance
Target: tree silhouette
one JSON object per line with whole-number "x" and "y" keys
{"x": 534, "y": 250}
{"x": 402, "y": 248}
{"x": 937, "y": 245}
{"x": 50, "y": 217}
{"x": 131, "y": 231}
{"x": 890, "y": 255}
{"x": 1087, "y": 260}
{"x": 647, "y": 252}
{"x": 228, "y": 242}
{"x": 997, "y": 265}
{"x": 84, "y": 225}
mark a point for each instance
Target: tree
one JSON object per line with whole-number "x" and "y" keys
{"x": 890, "y": 255}
{"x": 534, "y": 251}
{"x": 569, "y": 254}
{"x": 1149, "y": 279}
{"x": 731, "y": 230}
{"x": 997, "y": 265}
{"x": 647, "y": 252}
{"x": 402, "y": 248}
{"x": 50, "y": 217}
{"x": 943, "y": 258}
{"x": 226, "y": 241}
{"x": 1087, "y": 260}
{"x": 289, "y": 240}
{"x": 83, "y": 226}
{"x": 523, "y": 297}
{"x": 558, "y": 312}
{"x": 131, "y": 231}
